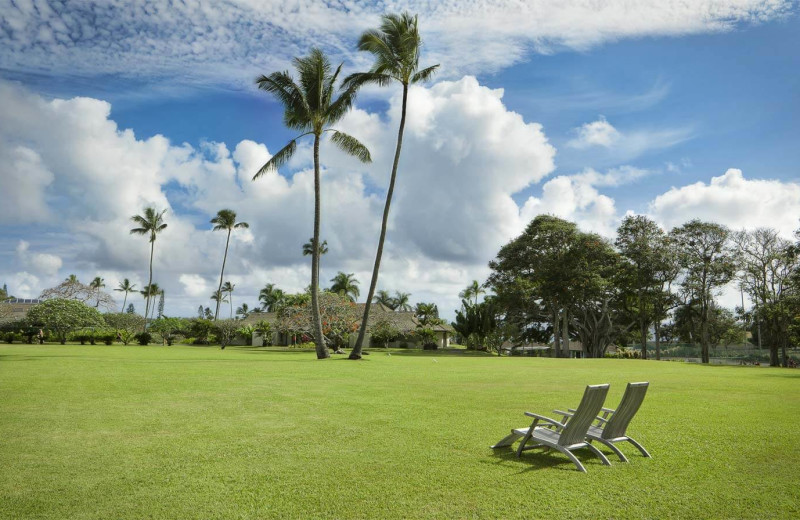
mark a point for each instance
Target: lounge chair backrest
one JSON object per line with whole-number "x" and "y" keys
{"x": 631, "y": 401}
{"x": 585, "y": 413}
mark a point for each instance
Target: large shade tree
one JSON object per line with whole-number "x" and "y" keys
{"x": 311, "y": 106}
{"x": 61, "y": 317}
{"x": 225, "y": 221}
{"x": 707, "y": 261}
{"x": 150, "y": 223}
{"x": 396, "y": 47}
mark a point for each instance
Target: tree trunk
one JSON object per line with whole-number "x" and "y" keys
{"x": 319, "y": 339}
{"x": 657, "y": 326}
{"x": 221, "y": 273}
{"x": 149, "y": 282}
{"x": 642, "y": 325}
{"x": 356, "y": 352}
{"x": 557, "y": 333}
{"x": 124, "y": 301}
{"x": 565, "y": 333}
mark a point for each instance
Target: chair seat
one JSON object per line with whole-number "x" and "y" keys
{"x": 597, "y": 433}
{"x": 547, "y": 435}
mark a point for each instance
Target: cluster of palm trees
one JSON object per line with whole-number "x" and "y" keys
{"x": 219, "y": 297}
{"x": 315, "y": 103}
{"x": 399, "y": 302}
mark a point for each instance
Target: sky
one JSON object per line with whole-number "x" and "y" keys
{"x": 586, "y": 110}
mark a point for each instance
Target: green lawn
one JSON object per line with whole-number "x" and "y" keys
{"x": 193, "y": 432}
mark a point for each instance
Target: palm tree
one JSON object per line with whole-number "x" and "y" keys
{"x": 401, "y": 301}
{"x": 151, "y": 223}
{"x": 125, "y": 286}
{"x": 396, "y": 47}
{"x": 97, "y": 284}
{"x": 310, "y": 108}
{"x": 150, "y": 291}
{"x": 426, "y": 312}
{"x": 226, "y": 220}
{"x": 308, "y": 249}
{"x": 228, "y": 288}
{"x": 243, "y": 311}
{"x": 383, "y": 297}
{"x": 345, "y": 285}
{"x": 473, "y": 290}
{"x": 219, "y": 297}
{"x": 270, "y": 297}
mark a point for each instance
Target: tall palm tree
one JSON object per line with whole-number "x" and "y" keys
{"x": 97, "y": 284}
{"x": 228, "y": 287}
{"x": 270, "y": 297}
{"x": 383, "y": 297}
{"x": 226, "y": 221}
{"x": 125, "y": 286}
{"x": 310, "y": 107}
{"x": 151, "y": 223}
{"x": 396, "y": 47}
{"x": 401, "y": 301}
{"x": 345, "y": 285}
{"x": 473, "y": 290}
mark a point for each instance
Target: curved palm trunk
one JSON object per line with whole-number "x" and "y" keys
{"x": 149, "y": 283}
{"x": 230, "y": 300}
{"x": 356, "y": 353}
{"x": 124, "y": 301}
{"x": 221, "y": 273}
{"x": 322, "y": 350}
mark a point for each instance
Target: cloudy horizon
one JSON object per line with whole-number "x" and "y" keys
{"x": 575, "y": 115}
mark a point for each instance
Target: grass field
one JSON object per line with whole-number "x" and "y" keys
{"x": 193, "y": 432}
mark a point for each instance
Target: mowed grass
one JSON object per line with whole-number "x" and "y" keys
{"x": 191, "y": 432}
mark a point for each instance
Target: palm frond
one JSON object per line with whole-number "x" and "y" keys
{"x": 360, "y": 79}
{"x": 339, "y": 108}
{"x": 241, "y": 225}
{"x": 297, "y": 113}
{"x": 351, "y": 146}
{"x": 424, "y": 74}
{"x": 278, "y": 160}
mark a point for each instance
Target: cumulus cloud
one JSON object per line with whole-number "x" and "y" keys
{"x": 226, "y": 42}
{"x": 465, "y": 155}
{"x": 42, "y": 263}
{"x": 733, "y": 200}
{"x": 596, "y": 133}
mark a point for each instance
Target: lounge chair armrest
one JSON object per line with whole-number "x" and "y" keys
{"x": 565, "y": 414}
{"x": 546, "y": 419}
{"x": 608, "y": 410}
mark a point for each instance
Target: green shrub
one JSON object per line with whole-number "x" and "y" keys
{"x": 306, "y": 345}
{"x": 144, "y": 338}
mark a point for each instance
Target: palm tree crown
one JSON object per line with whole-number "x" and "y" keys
{"x": 473, "y": 290}
{"x": 401, "y": 301}
{"x": 308, "y": 247}
{"x": 345, "y": 285}
{"x": 384, "y": 298}
{"x": 270, "y": 297}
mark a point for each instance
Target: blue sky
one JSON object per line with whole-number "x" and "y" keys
{"x": 604, "y": 110}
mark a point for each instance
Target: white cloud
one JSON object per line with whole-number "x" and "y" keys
{"x": 233, "y": 41}
{"x": 732, "y": 200}
{"x": 42, "y": 263}
{"x": 464, "y": 156}
{"x": 596, "y": 133}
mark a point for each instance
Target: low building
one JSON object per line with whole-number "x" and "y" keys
{"x": 16, "y": 308}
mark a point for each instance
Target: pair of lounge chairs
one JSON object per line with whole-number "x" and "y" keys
{"x": 580, "y": 426}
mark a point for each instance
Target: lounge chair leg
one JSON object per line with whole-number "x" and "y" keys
{"x": 599, "y": 454}
{"x": 639, "y": 446}
{"x": 616, "y": 450}
{"x": 508, "y": 440}
{"x": 522, "y": 443}
{"x": 573, "y": 458}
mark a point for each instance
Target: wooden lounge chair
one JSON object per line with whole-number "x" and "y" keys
{"x": 612, "y": 424}
{"x": 559, "y": 436}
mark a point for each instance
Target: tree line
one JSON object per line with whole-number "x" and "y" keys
{"x": 556, "y": 282}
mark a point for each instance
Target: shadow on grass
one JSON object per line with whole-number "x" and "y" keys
{"x": 544, "y": 458}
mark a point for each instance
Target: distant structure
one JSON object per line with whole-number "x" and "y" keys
{"x": 16, "y": 308}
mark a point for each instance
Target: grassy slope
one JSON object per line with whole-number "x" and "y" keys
{"x": 187, "y": 432}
